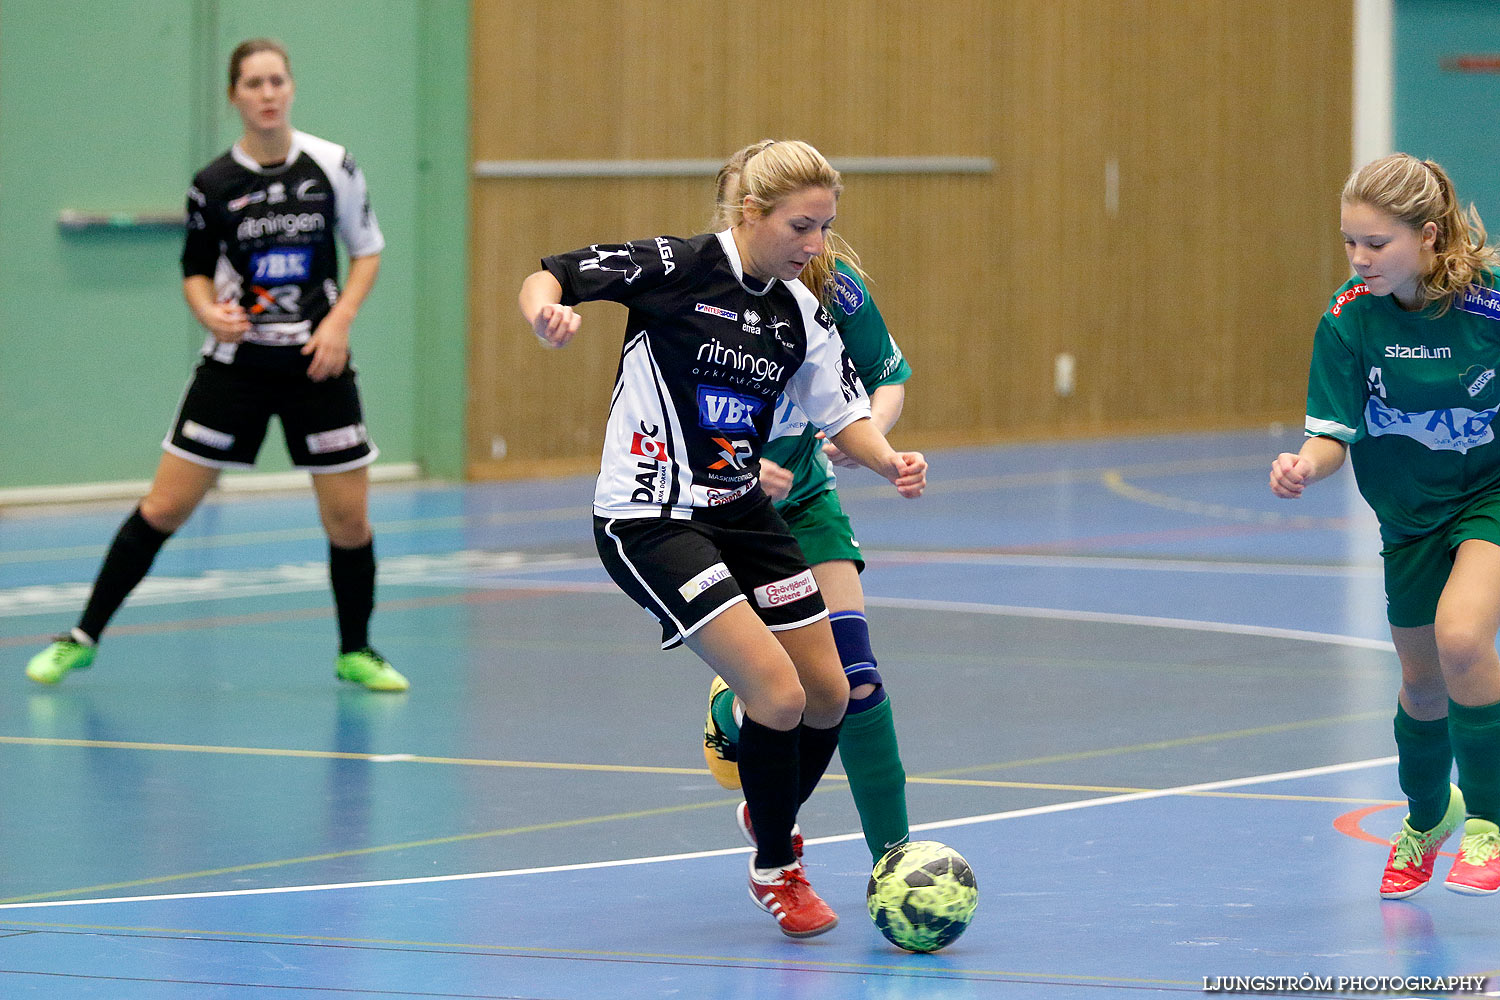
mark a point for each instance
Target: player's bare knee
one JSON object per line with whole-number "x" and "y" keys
{"x": 1462, "y": 646}
{"x": 347, "y": 529}
{"x": 781, "y": 708}
{"x": 1426, "y": 699}
{"x": 166, "y": 513}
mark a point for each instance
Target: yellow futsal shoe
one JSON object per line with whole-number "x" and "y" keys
{"x": 369, "y": 668}
{"x": 719, "y": 750}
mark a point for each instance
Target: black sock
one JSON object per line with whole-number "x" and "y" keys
{"x": 126, "y": 563}
{"x": 768, "y": 776}
{"x": 352, "y": 572}
{"x": 815, "y": 750}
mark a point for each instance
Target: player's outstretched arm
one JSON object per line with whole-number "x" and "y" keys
{"x": 863, "y": 442}
{"x": 1319, "y": 458}
{"x": 886, "y": 402}
{"x": 553, "y": 323}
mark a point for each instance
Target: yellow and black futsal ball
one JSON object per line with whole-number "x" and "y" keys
{"x": 922, "y": 895}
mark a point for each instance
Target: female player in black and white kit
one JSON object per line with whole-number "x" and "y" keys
{"x": 260, "y": 273}
{"x": 719, "y": 327}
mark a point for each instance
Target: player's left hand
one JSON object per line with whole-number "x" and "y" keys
{"x": 911, "y": 474}
{"x": 329, "y": 347}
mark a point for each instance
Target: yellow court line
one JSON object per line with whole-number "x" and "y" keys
{"x": 934, "y": 778}
{"x": 1064, "y": 758}
{"x": 377, "y": 758}
{"x": 521, "y": 951}
{"x": 533, "y": 828}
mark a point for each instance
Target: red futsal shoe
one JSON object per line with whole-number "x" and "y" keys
{"x": 1477, "y": 870}
{"x": 799, "y": 912}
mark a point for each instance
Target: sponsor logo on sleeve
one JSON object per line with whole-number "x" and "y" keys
{"x": 846, "y": 293}
{"x": 1345, "y": 297}
{"x": 1481, "y": 301}
{"x": 665, "y": 250}
{"x": 849, "y": 379}
{"x": 793, "y": 588}
{"x": 617, "y": 259}
{"x": 716, "y": 573}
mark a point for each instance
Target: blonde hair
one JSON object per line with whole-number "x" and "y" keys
{"x": 1417, "y": 192}
{"x": 769, "y": 170}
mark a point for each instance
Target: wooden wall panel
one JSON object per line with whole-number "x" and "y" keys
{"x": 1190, "y": 306}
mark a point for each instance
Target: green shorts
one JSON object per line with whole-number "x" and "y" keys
{"x": 1416, "y": 570}
{"x": 823, "y": 529}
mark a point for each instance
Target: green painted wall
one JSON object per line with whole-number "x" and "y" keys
{"x": 111, "y": 105}
{"x": 1442, "y": 114}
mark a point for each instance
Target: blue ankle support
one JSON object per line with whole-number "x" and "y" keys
{"x": 851, "y": 634}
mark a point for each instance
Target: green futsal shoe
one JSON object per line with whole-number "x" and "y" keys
{"x": 369, "y": 668}
{"x": 66, "y": 653}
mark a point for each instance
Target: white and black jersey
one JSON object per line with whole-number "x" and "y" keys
{"x": 707, "y": 352}
{"x": 265, "y": 235}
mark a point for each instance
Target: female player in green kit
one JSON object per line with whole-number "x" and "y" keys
{"x": 1403, "y": 381}
{"x": 796, "y": 472}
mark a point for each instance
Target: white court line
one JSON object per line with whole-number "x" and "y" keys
{"x": 1020, "y": 611}
{"x": 1162, "y": 565}
{"x": 1108, "y": 800}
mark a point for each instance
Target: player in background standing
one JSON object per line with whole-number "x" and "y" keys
{"x": 260, "y": 273}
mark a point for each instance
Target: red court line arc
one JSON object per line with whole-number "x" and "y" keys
{"x": 1349, "y": 825}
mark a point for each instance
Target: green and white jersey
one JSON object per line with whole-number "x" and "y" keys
{"x": 1414, "y": 395}
{"x": 793, "y": 442}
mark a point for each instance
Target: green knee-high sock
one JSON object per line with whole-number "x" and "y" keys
{"x": 1475, "y": 733}
{"x": 872, "y": 761}
{"x": 1425, "y": 764}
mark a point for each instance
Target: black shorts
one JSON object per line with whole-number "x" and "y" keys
{"x": 224, "y": 414}
{"x": 686, "y": 573}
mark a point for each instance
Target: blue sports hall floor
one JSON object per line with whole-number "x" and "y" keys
{"x": 1150, "y": 703}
